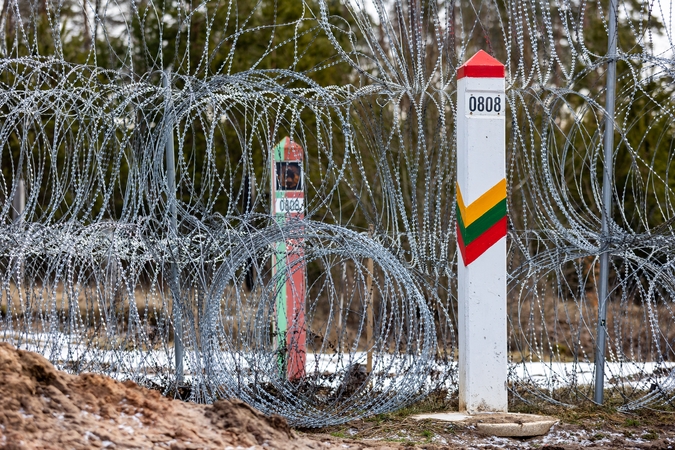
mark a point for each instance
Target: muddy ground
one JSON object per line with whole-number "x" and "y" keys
{"x": 577, "y": 428}
{"x": 43, "y": 408}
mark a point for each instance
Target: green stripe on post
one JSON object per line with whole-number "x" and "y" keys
{"x": 279, "y": 151}
{"x": 482, "y": 224}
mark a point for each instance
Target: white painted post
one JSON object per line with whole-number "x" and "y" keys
{"x": 481, "y": 235}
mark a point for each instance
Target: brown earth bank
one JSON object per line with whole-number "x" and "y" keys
{"x": 43, "y": 408}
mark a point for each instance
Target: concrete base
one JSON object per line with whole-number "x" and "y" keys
{"x": 498, "y": 424}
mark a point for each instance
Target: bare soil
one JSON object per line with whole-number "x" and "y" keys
{"x": 43, "y": 408}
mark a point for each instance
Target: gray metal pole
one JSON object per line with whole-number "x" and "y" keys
{"x": 18, "y": 206}
{"x": 19, "y": 200}
{"x": 173, "y": 230}
{"x": 608, "y": 144}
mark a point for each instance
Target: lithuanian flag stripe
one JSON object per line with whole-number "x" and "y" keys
{"x": 482, "y": 204}
{"x": 482, "y": 223}
{"x": 471, "y": 252}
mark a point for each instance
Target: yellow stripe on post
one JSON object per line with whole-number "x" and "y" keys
{"x": 482, "y": 204}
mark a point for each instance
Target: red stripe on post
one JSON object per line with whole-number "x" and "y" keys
{"x": 481, "y": 65}
{"x": 471, "y": 252}
{"x": 296, "y": 333}
{"x": 460, "y": 243}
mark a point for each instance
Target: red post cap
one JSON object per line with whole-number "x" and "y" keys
{"x": 292, "y": 150}
{"x": 481, "y": 65}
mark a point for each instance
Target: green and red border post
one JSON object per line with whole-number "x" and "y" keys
{"x": 288, "y": 204}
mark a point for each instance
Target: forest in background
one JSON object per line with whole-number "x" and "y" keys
{"x": 556, "y": 92}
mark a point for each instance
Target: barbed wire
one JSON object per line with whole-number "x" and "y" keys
{"x": 109, "y": 264}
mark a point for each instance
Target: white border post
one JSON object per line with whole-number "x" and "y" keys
{"x": 481, "y": 235}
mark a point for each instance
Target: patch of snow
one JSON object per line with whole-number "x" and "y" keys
{"x": 24, "y": 415}
{"x": 500, "y": 441}
{"x": 89, "y": 435}
{"x": 126, "y": 428}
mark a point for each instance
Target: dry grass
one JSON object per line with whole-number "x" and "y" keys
{"x": 595, "y": 422}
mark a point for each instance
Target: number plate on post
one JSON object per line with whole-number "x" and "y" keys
{"x": 485, "y": 104}
{"x": 290, "y": 205}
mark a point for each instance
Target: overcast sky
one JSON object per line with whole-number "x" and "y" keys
{"x": 664, "y": 10}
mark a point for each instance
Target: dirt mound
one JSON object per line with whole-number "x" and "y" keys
{"x": 43, "y": 408}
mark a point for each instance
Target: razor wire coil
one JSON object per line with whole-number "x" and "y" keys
{"x": 94, "y": 270}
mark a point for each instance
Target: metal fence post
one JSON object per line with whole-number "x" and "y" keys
{"x": 608, "y": 144}
{"x": 173, "y": 229}
{"x": 370, "y": 306}
{"x": 19, "y": 200}
{"x": 18, "y": 206}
